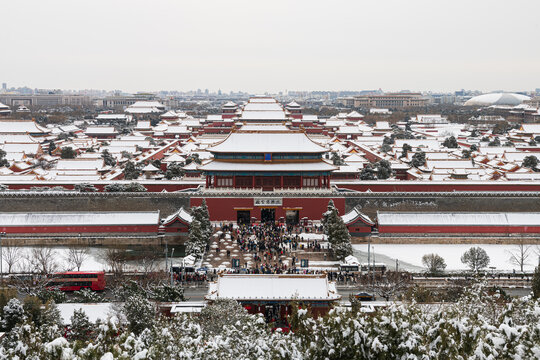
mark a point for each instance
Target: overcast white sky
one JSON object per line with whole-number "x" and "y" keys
{"x": 277, "y": 45}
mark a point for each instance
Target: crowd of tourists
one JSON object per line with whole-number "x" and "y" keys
{"x": 269, "y": 245}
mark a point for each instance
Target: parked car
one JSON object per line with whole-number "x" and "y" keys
{"x": 364, "y": 296}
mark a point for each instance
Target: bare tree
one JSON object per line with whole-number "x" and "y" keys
{"x": 392, "y": 284}
{"x": 30, "y": 284}
{"x": 520, "y": 255}
{"x": 11, "y": 256}
{"x": 76, "y": 256}
{"x": 148, "y": 264}
{"x": 42, "y": 260}
{"x": 147, "y": 261}
{"x": 116, "y": 260}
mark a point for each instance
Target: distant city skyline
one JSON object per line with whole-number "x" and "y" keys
{"x": 259, "y": 47}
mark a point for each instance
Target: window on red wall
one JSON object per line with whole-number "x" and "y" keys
{"x": 224, "y": 181}
{"x": 311, "y": 182}
{"x": 291, "y": 181}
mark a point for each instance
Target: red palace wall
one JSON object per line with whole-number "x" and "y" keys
{"x": 359, "y": 228}
{"x": 458, "y": 229}
{"x": 225, "y": 209}
{"x": 362, "y": 186}
{"x": 151, "y": 187}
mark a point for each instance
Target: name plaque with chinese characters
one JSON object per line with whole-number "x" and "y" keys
{"x": 268, "y": 201}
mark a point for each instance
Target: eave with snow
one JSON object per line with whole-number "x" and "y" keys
{"x": 268, "y": 160}
{"x": 358, "y": 223}
{"x": 177, "y": 223}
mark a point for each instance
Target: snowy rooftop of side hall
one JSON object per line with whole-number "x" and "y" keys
{"x": 10, "y": 126}
{"x": 454, "y": 219}
{"x": 79, "y": 218}
{"x": 101, "y": 130}
{"x": 426, "y": 143}
{"x": 273, "y": 287}
{"x": 354, "y": 214}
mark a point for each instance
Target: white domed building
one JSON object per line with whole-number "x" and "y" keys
{"x": 508, "y": 99}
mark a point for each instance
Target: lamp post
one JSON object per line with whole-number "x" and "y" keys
{"x": 373, "y": 274}
{"x": 1, "y": 257}
{"x": 166, "y": 254}
{"x": 172, "y": 253}
{"x": 368, "y": 256}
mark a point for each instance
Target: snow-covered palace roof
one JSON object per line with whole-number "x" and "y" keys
{"x": 355, "y": 214}
{"x": 104, "y": 218}
{"x": 267, "y": 287}
{"x": 239, "y": 167}
{"x": 463, "y": 218}
{"x": 181, "y": 215}
{"x": 267, "y": 142}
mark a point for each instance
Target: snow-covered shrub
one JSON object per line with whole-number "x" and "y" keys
{"x": 46, "y": 295}
{"x": 80, "y": 327}
{"x": 139, "y": 313}
{"x": 87, "y": 296}
{"x": 85, "y": 187}
{"x": 482, "y": 324}
{"x": 197, "y": 240}
{"x": 128, "y": 289}
{"x": 167, "y": 293}
{"x": 12, "y": 314}
{"x": 220, "y": 314}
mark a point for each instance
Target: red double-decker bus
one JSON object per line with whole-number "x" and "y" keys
{"x": 77, "y": 280}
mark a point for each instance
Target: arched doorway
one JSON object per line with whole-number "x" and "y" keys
{"x": 268, "y": 215}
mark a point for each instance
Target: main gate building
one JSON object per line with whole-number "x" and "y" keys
{"x": 267, "y": 159}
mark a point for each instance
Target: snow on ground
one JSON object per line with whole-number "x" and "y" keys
{"x": 96, "y": 311}
{"x": 410, "y": 255}
{"x": 312, "y": 236}
{"x": 94, "y": 262}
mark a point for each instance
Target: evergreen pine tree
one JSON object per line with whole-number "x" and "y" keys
{"x": 205, "y": 221}
{"x": 50, "y": 322}
{"x": 167, "y": 293}
{"x": 130, "y": 171}
{"x": 139, "y": 312}
{"x": 368, "y": 173}
{"x": 80, "y": 326}
{"x": 418, "y": 159}
{"x": 338, "y": 235}
{"x": 196, "y": 241}
{"x": 384, "y": 169}
{"x": 329, "y": 209}
{"x": 108, "y": 159}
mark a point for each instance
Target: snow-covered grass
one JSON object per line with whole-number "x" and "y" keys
{"x": 102, "y": 311}
{"x": 411, "y": 254}
{"x": 93, "y": 262}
